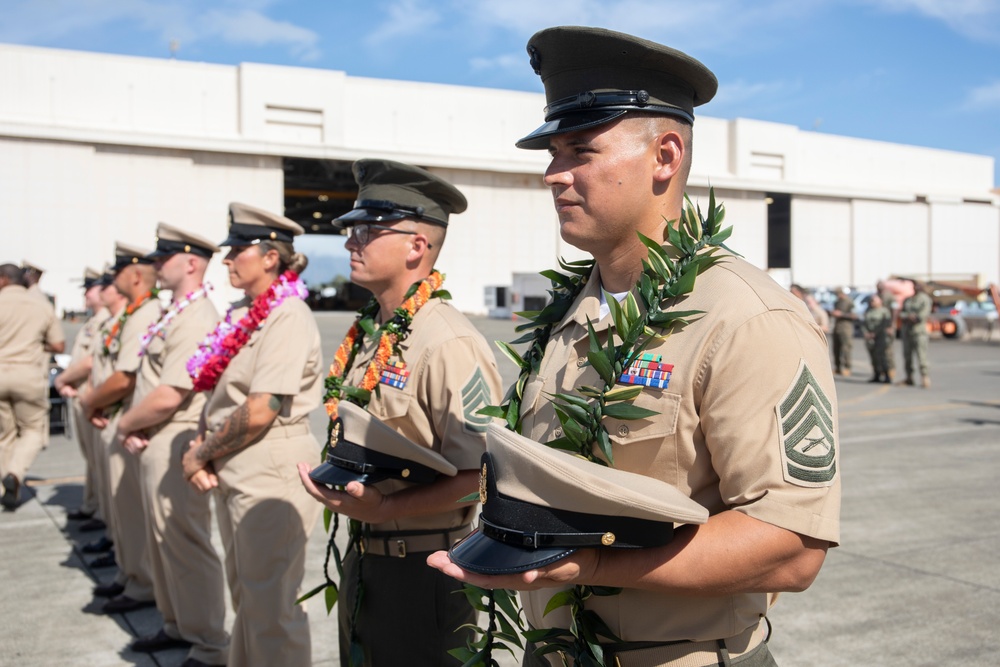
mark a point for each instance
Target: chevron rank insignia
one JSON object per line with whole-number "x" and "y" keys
{"x": 394, "y": 374}
{"x": 475, "y": 396}
{"x": 805, "y": 423}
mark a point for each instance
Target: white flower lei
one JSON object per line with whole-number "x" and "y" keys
{"x": 175, "y": 309}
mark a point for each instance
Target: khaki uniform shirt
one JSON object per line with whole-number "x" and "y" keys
{"x": 166, "y": 357}
{"x": 102, "y": 367}
{"x": 26, "y": 326}
{"x": 747, "y": 422}
{"x": 36, "y": 292}
{"x": 284, "y": 358}
{"x": 450, "y": 374}
{"x": 844, "y": 324}
{"x": 88, "y": 343}
{"x": 126, "y": 358}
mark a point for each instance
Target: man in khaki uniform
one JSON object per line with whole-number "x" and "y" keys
{"x": 74, "y": 381}
{"x": 429, "y": 390}
{"x": 29, "y": 332}
{"x": 30, "y": 276}
{"x": 744, "y": 400}
{"x": 135, "y": 278}
{"x": 163, "y": 419}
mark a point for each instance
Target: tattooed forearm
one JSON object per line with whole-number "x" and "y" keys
{"x": 230, "y": 438}
{"x": 242, "y": 427}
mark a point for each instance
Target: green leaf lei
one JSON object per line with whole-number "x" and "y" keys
{"x": 668, "y": 276}
{"x": 398, "y": 326}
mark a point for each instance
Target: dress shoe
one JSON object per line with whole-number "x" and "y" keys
{"x": 79, "y": 515}
{"x": 11, "y": 491}
{"x": 91, "y": 525}
{"x": 107, "y": 560}
{"x": 123, "y": 603}
{"x": 109, "y": 590}
{"x": 195, "y": 662}
{"x": 161, "y": 641}
{"x": 97, "y": 546}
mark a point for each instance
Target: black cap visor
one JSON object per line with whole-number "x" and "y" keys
{"x": 357, "y": 215}
{"x": 484, "y": 555}
{"x": 580, "y": 120}
{"x": 334, "y": 475}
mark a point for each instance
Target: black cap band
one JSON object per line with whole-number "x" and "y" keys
{"x": 612, "y": 100}
{"x": 121, "y": 261}
{"x": 418, "y": 212}
{"x": 243, "y": 234}
{"x": 165, "y": 248}
{"x": 364, "y": 460}
{"x": 529, "y": 526}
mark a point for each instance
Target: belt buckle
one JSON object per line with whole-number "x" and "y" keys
{"x": 400, "y": 548}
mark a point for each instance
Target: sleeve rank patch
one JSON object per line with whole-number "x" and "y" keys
{"x": 805, "y": 422}
{"x": 475, "y": 396}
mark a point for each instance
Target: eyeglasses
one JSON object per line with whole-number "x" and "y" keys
{"x": 361, "y": 232}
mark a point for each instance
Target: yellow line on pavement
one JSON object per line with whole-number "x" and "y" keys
{"x": 864, "y": 397}
{"x": 55, "y": 480}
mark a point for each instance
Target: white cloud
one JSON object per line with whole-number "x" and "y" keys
{"x": 740, "y": 97}
{"x": 237, "y": 22}
{"x": 983, "y": 98}
{"x": 975, "y": 19}
{"x": 250, "y": 27}
{"x": 404, "y": 18}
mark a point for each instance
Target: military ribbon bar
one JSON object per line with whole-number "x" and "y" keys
{"x": 394, "y": 374}
{"x": 648, "y": 371}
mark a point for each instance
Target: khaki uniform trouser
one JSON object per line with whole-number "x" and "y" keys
{"x": 747, "y": 649}
{"x": 86, "y": 435}
{"x": 265, "y": 518}
{"x": 186, "y": 571}
{"x": 24, "y": 417}
{"x": 128, "y": 528}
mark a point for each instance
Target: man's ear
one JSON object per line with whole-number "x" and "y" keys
{"x": 670, "y": 150}
{"x": 419, "y": 245}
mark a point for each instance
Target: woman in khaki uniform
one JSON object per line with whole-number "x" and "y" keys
{"x": 254, "y": 429}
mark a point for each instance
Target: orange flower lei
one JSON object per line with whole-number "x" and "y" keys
{"x": 111, "y": 339}
{"x": 390, "y": 335}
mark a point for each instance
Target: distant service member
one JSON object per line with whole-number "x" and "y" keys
{"x": 29, "y": 333}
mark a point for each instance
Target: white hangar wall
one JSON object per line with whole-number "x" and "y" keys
{"x": 96, "y": 147}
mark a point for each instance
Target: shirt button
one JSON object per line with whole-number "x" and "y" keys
{"x": 581, "y": 362}
{"x": 623, "y": 430}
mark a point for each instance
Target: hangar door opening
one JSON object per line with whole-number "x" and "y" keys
{"x": 779, "y": 230}
{"x": 317, "y": 191}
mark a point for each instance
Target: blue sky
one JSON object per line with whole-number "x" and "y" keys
{"x": 922, "y": 72}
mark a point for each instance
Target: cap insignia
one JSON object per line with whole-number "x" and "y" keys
{"x": 482, "y": 486}
{"x": 534, "y": 60}
{"x": 335, "y": 434}
{"x": 607, "y": 539}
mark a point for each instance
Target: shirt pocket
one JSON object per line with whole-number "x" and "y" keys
{"x": 391, "y": 403}
{"x": 632, "y": 432}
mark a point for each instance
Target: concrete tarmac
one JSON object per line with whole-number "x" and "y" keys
{"x": 915, "y": 581}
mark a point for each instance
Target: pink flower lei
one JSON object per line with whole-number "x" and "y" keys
{"x": 168, "y": 316}
{"x": 221, "y": 345}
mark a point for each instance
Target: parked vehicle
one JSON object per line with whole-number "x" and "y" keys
{"x": 964, "y": 316}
